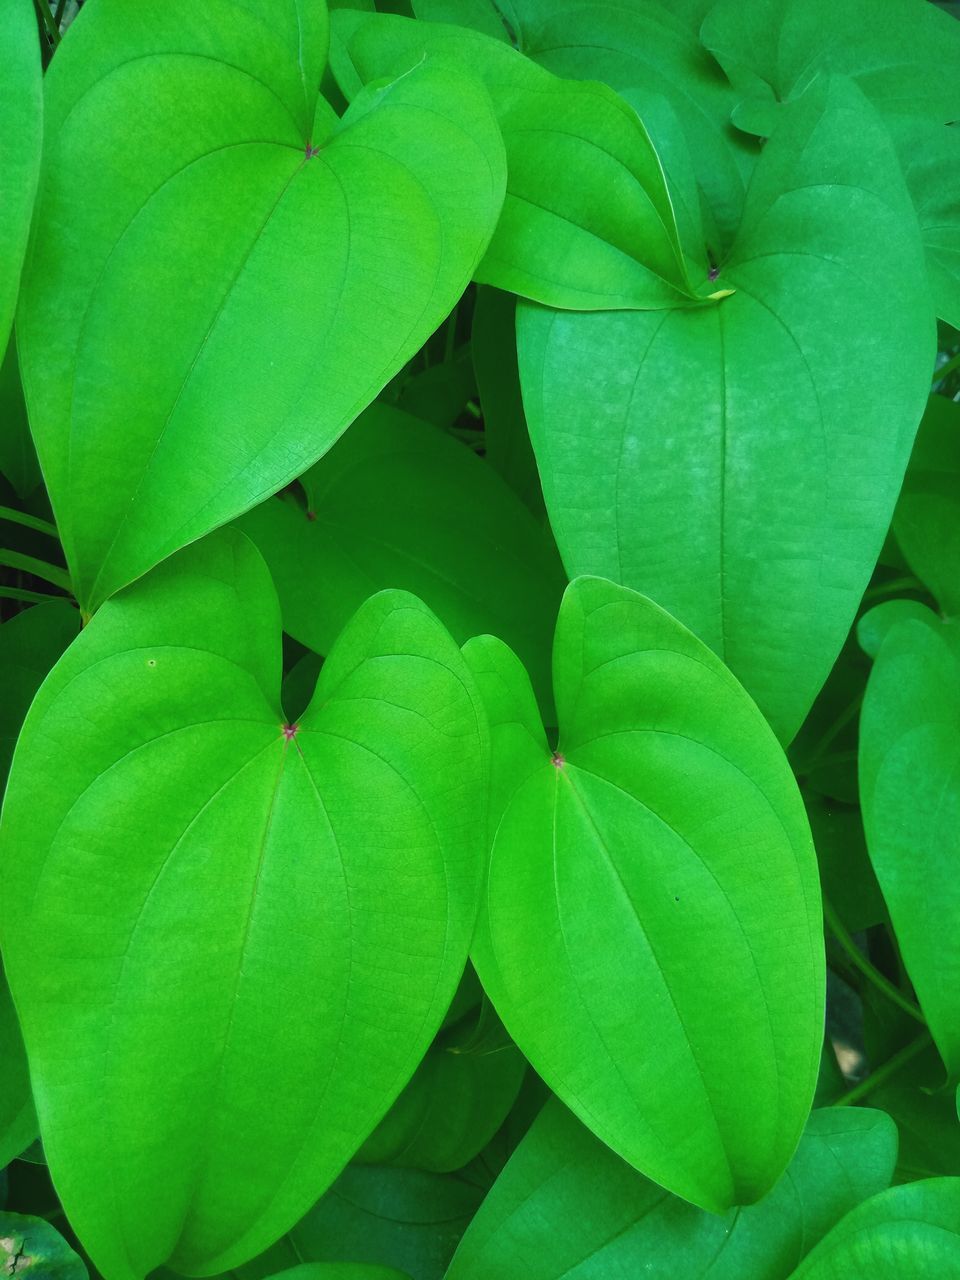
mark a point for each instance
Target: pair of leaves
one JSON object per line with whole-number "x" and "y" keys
{"x": 565, "y": 1206}
{"x": 565, "y": 142}
{"x": 722, "y": 460}
{"x": 684, "y": 1032}
{"x": 223, "y": 274}
{"x": 214, "y": 908}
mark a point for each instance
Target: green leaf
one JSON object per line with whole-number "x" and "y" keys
{"x": 904, "y": 55}
{"x": 30, "y": 643}
{"x": 910, "y": 793}
{"x": 403, "y": 1218}
{"x": 214, "y": 246}
{"x": 876, "y": 624}
{"x": 506, "y": 439}
{"x": 216, "y": 908}
{"x": 685, "y": 1032}
{"x": 31, "y": 1247}
{"x": 905, "y": 1233}
{"x": 565, "y": 141}
{"x": 21, "y": 129}
{"x": 397, "y": 503}
{"x": 723, "y": 460}
{"x": 565, "y": 1206}
{"x": 339, "y": 1271}
{"x": 927, "y": 518}
{"x": 18, "y": 1120}
{"x": 479, "y": 15}
{"x": 449, "y": 1111}
{"x": 18, "y": 458}
{"x": 845, "y": 872}
{"x": 930, "y": 155}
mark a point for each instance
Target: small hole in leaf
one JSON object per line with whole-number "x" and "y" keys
{"x": 151, "y": 662}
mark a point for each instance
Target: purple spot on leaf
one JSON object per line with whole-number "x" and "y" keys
{"x": 289, "y": 731}
{"x": 557, "y": 760}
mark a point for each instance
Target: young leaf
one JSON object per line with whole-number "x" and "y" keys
{"x": 565, "y": 1206}
{"x": 905, "y": 1233}
{"x": 723, "y": 460}
{"x": 226, "y": 268}
{"x": 21, "y": 129}
{"x": 910, "y": 794}
{"x": 215, "y": 907}
{"x": 565, "y": 142}
{"x": 397, "y": 503}
{"x": 684, "y": 1032}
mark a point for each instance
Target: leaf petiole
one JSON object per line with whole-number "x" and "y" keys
{"x": 860, "y": 961}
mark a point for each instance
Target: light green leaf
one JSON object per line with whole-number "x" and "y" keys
{"x": 213, "y": 246}
{"x": 723, "y": 460}
{"x": 685, "y": 1033}
{"x": 910, "y": 794}
{"x": 216, "y": 908}
{"x": 21, "y": 129}
{"x": 927, "y": 519}
{"x": 397, "y": 503}
{"x": 565, "y": 1206}
{"x": 18, "y": 1120}
{"x": 565, "y": 141}
{"x": 30, "y": 1247}
{"x": 905, "y": 1233}
{"x": 904, "y": 54}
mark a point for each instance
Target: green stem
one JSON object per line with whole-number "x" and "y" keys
{"x": 450, "y": 337}
{"x": 31, "y": 597}
{"x": 889, "y": 1068}
{"x": 860, "y": 961}
{"x": 51, "y": 573}
{"x": 909, "y": 583}
{"x": 28, "y": 521}
{"x": 58, "y": 16}
{"x": 946, "y": 369}
{"x": 53, "y": 31}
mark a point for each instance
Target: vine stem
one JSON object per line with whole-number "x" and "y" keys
{"x": 884, "y": 1072}
{"x": 51, "y": 573}
{"x": 28, "y": 521}
{"x": 53, "y": 31}
{"x": 30, "y": 597}
{"x": 860, "y": 961}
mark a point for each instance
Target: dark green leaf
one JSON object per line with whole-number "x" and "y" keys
{"x": 18, "y": 458}
{"x": 927, "y": 518}
{"x": 18, "y": 1120}
{"x": 30, "y": 1247}
{"x": 30, "y": 643}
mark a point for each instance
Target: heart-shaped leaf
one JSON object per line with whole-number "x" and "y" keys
{"x": 904, "y": 1233}
{"x": 21, "y": 131}
{"x": 235, "y": 937}
{"x": 685, "y": 1032}
{"x": 904, "y": 54}
{"x": 223, "y": 274}
{"x": 910, "y": 793}
{"x": 397, "y": 503}
{"x": 565, "y": 1206}
{"x": 555, "y": 242}
{"x": 723, "y": 460}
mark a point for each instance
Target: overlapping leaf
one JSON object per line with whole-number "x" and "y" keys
{"x": 397, "y": 503}
{"x": 556, "y": 242}
{"x": 927, "y": 518}
{"x": 565, "y": 1206}
{"x": 722, "y": 459}
{"x": 906, "y": 1233}
{"x": 910, "y": 792}
{"x": 625, "y": 938}
{"x": 223, "y": 273}
{"x": 21, "y": 129}
{"x": 234, "y": 939}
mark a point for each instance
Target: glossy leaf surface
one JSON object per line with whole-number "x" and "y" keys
{"x": 684, "y": 1032}
{"x": 397, "y": 503}
{"x": 910, "y": 793}
{"x": 721, "y": 459}
{"x": 565, "y": 1206}
{"x": 21, "y": 131}
{"x": 555, "y": 242}
{"x": 234, "y": 940}
{"x": 213, "y": 246}
{"x": 906, "y": 1233}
